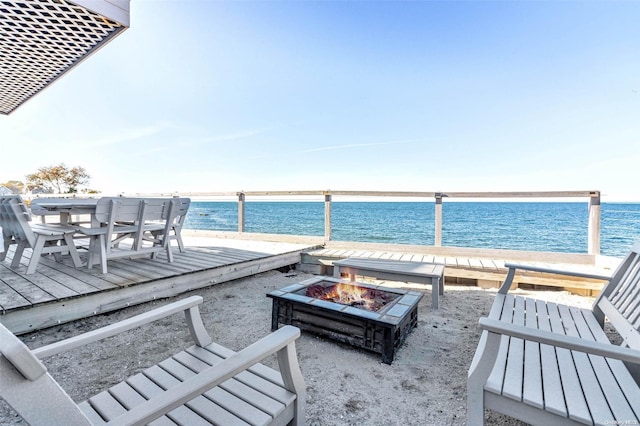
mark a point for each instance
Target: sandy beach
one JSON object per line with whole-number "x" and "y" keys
{"x": 425, "y": 385}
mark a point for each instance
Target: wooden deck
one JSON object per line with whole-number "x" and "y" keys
{"x": 59, "y": 293}
{"x": 484, "y": 268}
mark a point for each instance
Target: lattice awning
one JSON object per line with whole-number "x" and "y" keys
{"x": 40, "y": 40}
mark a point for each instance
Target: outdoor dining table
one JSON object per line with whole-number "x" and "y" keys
{"x": 66, "y": 207}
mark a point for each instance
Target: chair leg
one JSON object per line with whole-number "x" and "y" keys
{"x": 73, "y": 251}
{"x": 169, "y": 252}
{"x": 18, "y": 254}
{"x": 180, "y": 243}
{"x": 37, "y": 252}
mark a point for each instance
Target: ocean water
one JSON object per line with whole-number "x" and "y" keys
{"x": 535, "y": 226}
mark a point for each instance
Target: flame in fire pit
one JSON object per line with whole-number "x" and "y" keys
{"x": 352, "y": 295}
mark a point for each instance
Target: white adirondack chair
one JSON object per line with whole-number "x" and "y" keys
{"x": 204, "y": 384}
{"x": 42, "y": 238}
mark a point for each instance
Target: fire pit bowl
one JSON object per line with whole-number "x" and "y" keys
{"x": 367, "y": 316}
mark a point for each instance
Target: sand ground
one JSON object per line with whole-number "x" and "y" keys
{"x": 425, "y": 385}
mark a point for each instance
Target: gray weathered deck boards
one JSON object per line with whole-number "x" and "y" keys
{"x": 487, "y": 270}
{"x": 58, "y": 292}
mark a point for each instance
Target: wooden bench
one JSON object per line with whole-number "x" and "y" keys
{"x": 547, "y": 363}
{"x": 122, "y": 218}
{"x": 175, "y": 230}
{"x": 204, "y": 384}
{"x": 395, "y": 270}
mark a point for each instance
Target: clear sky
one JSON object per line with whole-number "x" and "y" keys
{"x": 348, "y": 95}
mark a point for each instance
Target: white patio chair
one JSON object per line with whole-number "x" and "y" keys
{"x": 42, "y": 238}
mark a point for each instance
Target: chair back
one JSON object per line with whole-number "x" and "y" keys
{"x": 619, "y": 300}
{"x": 181, "y": 214}
{"x": 112, "y": 211}
{"x": 14, "y": 220}
{"x": 30, "y": 390}
{"x": 136, "y": 210}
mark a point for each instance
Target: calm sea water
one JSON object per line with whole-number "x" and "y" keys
{"x": 560, "y": 227}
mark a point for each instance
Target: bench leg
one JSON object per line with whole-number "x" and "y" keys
{"x": 97, "y": 243}
{"x": 73, "y": 252}
{"x": 435, "y": 293}
{"x": 336, "y": 271}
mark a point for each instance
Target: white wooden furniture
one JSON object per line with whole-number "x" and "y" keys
{"x": 547, "y": 363}
{"x": 204, "y": 384}
{"x": 175, "y": 230}
{"x": 42, "y": 238}
{"x": 395, "y": 270}
{"x": 68, "y": 209}
{"x": 123, "y": 218}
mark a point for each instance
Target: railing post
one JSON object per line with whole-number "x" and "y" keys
{"x": 327, "y": 216}
{"x": 594, "y": 223}
{"x": 438, "y": 220}
{"x": 241, "y": 197}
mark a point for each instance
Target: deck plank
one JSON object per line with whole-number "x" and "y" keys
{"x": 59, "y": 292}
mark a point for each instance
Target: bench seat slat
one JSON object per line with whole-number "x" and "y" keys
{"x": 608, "y": 382}
{"x": 260, "y": 370}
{"x": 551, "y": 381}
{"x": 148, "y": 389}
{"x": 199, "y": 405}
{"x": 220, "y": 397}
{"x": 532, "y": 387}
{"x": 275, "y": 391}
{"x": 250, "y": 396}
{"x": 514, "y": 371}
{"x": 106, "y": 405}
{"x": 91, "y": 414}
{"x": 590, "y": 388}
{"x": 576, "y": 404}
{"x": 496, "y": 378}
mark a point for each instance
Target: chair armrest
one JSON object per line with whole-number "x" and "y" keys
{"x": 125, "y": 325}
{"x": 209, "y": 378}
{"x": 560, "y": 340}
{"x": 506, "y": 285}
{"x": 558, "y": 271}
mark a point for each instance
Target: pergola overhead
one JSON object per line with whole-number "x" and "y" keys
{"x": 40, "y": 40}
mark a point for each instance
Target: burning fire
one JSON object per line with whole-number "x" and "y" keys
{"x": 351, "y": 295}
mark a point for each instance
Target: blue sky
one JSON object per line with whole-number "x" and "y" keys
{"x": 351, "y": 95}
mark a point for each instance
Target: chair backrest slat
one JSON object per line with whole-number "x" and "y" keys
{"x": 183, "y": 209}
{"x": 128, "y": 209}
{"x": 15, "y": 219}
{"x": 620, "y": 299}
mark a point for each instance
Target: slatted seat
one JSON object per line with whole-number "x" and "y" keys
{"x": 204, "y": 384}
{"x": 42, "y": 238}
{"x": 548, "y": 363}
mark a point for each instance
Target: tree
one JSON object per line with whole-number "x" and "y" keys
{"x": 15, "y": 186}
{"x": 59, "y": 179}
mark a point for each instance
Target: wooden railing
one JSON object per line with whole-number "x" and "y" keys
{"x": 593, "y": 199}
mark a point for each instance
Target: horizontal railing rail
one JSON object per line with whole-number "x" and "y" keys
{"x": 592, "y": 197}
